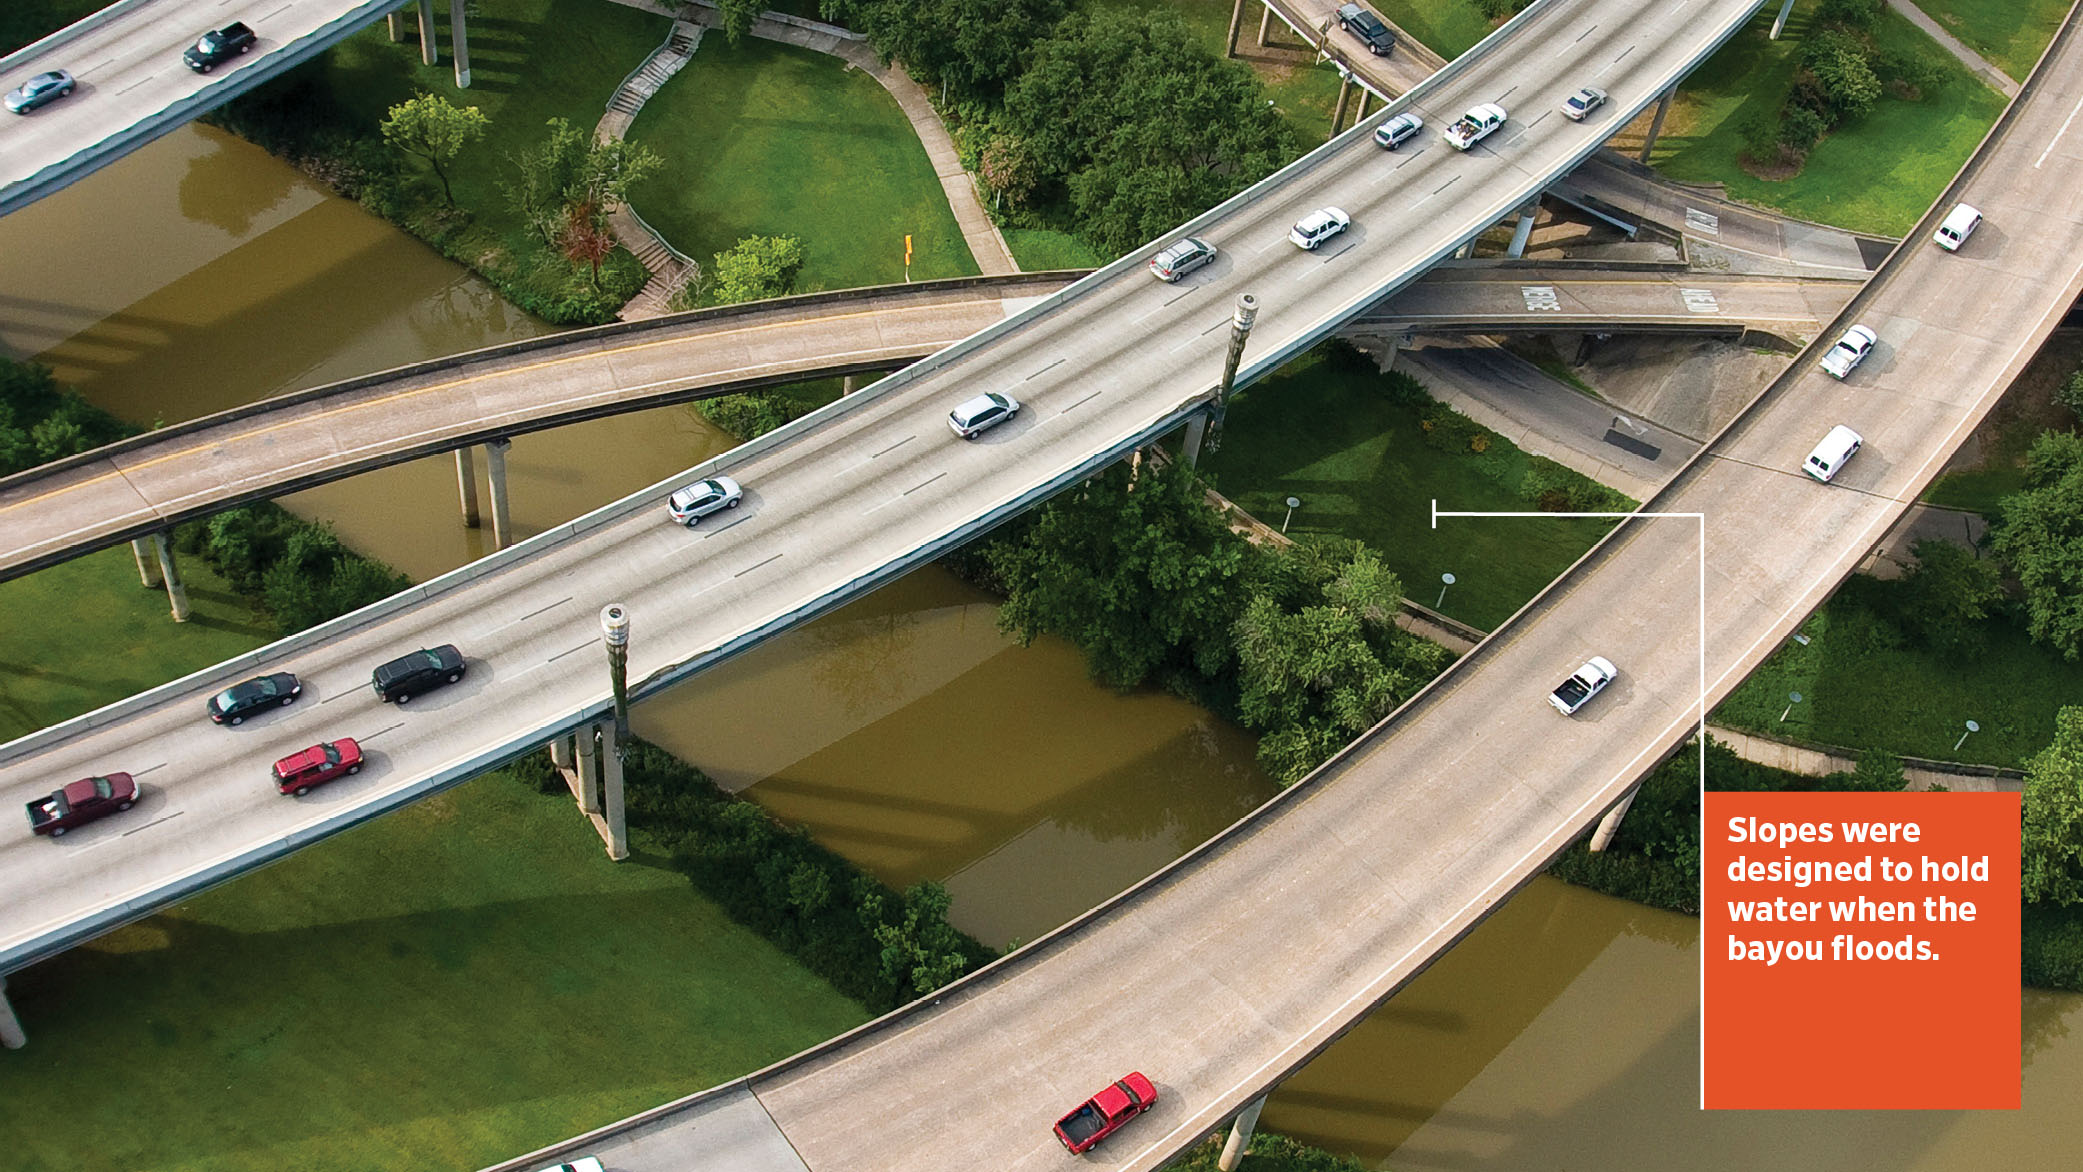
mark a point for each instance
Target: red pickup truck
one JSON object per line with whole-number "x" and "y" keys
{"x": 1104, "y": 1113}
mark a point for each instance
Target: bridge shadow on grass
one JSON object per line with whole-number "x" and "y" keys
{"x": 433, "y": 1039}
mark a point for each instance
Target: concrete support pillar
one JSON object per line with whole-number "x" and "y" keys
{"x": 1345, "y": 85}
{"x": 429, "y": 51}
{"x": 175, "y": 594}
{"x": 611, "y": 808}
{"x": 147, "y": 561}
{"x": 849, "y": 384}
{"x": 560, "y": 753}
{"x": 495, "y": 478}
{"x": 1236, "y": 27}
{"x": 1365, "y": 95}
{"x": 466, "y": 484}
{"x": 460, "y": 48}
{"x": 395, "y": 25}
{"x": 1524, "y": 232}
{"x": 1465, "y": 251}
{"x": 1190, "y": 450}
{"x": 11, "y": 1035}
{"x": 1265, "y": 27}
{"x": 1779, "y": 24}
{"x": 1240, "y": 1135}
{"x": 1609, "y": 825}
{"x": 589, "y": 769}
{"x": 1397, "y": 345}
{"x": 1240, "y": 329}
{"x": 1656, "y": 124}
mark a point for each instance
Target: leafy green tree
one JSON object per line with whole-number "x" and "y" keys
{"x": 756, "y": 268}
{"x": 547, "y": 174}
{"x": 920, "y": 952}
{"x": 1136, "y": 570}
{"x": 2051, "y": 842}
{"x": 40, "y": 422}
{"x": 2070, "y": 393}
{"x": 1840, "y": 74}
{"x": 2040, "y": 537}
{"x": 435, "y": 129}
{"x": 1947, "y": 595}
{"x": 1878, "y": 771}
{"x": 608, "y": 169}
{"x": 1310, "y": 680}
{"x": 975, "y": 47}
{"x": 1139, "y": 125}
{"x": 738, "y": 16}
{"x": 1855, "y": 14}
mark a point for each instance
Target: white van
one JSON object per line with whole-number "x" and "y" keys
{"x": 1959, "y": 224}
{"x": 1836, "y": 449}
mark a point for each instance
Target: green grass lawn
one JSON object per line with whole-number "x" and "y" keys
{"x": 1863, "y": 689}
{"x": 448, "y": 986}
{"x": 1447, "y": 27}
{"x": 1876, "y": 175}
{"x": 2002, "y": 471}
{"x": 773, "y": 140}
{"x": 87, "y": 633}
{"x": 24, "y": 22}
{"x": 1037, "y": 250}
{"x": 2008, "y": 33}
{"x": 1362, "y": 469}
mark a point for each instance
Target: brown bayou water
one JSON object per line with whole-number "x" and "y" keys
{"x": 200, "y": 273}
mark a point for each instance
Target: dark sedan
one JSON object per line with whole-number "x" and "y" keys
{"x": 81, "y": 802}
{"x": 41, "y": 90}
{"x": 215, "y": 48}
{"x": 234, "y": 704}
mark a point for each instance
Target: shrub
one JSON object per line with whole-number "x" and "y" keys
{"x": 1853, "y": 14}
{"x": 1801, "y": 128}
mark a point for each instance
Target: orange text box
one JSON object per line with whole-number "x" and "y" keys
{"x": 1861, "y": 950}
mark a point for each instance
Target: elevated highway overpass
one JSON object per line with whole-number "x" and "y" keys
{"x": 133, "y": 86}
{"x": 316, "y": 436}
{"x": 838, "y": 503}
{"x": 1237, "y": 964}
{"x": 1264, "y": 945}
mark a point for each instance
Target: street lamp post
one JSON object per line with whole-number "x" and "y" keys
{"x": 1293, "y": 503}
{"x": 1445, "y": 580}
{"x": 1972, "y": 727}
{"x": 1792, "y": 698}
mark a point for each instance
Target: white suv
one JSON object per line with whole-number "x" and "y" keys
{"x": 1317, "y": 227}
{"x": 982, "y": 413}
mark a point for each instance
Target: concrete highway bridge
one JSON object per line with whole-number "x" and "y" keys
{"x": 1234, "y": 966}
{"x": 133, "y": 86}
{"x": 1254, "y": 952}
{"x": 138, "y": 487}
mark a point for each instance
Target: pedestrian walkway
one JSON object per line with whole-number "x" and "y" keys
{"x": 670, "y": 268}
{"x": 1996, "y": 78}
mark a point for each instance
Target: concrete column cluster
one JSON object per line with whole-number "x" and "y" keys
{"x": 495, "y": 478}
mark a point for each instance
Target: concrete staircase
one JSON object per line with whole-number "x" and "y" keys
{"x": 669, "y": 268}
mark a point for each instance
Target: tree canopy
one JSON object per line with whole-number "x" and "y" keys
{"x": 1140, "y": 126}
{"x": 756, "y": 268}
{"x": 435, "y": 129}
{"x": 2040, "y": 537}
{"x": 2051, "y": 842}
{"x": 974, "y": 46}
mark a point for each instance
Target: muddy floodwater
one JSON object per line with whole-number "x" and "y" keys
{"x": 906, "y": 732}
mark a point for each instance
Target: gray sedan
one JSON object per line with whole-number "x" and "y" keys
{"x": 41, "y": 90}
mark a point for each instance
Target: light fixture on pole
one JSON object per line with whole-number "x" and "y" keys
{"x": 1792, "y": 698}
{"x": 1293, "y": 503}
{"x": 1972, "y": 727}
{"x": 1445, "y": 580}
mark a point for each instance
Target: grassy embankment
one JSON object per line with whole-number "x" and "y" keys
{"x": 768, "y": 139}
{"x": 1360, "y": 461}
{"x": 24, "y": 22}
{"x": 2009, "y": 34}
{"x": 1877, "y": 174}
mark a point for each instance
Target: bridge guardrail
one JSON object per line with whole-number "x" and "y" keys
{"x": 71, "y": 32}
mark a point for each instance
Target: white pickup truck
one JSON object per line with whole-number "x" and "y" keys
{"x": 1586, "y": 682}
{"x": 1474, "y": 126}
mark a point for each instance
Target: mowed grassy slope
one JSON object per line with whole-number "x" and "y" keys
{"x": 1877, "y": 174}
{"x": 2009, "y": 34}
{"x": 448, "y": 986}
{"x": 1359, "y": 463}
{"x": 772, "y": 140}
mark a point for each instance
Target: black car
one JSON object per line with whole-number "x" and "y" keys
{"x": 1381, "y": 40}
{"x": 420, "y": 672}
{"x": 220, "y": 46}
{"x": 234, "y": 704}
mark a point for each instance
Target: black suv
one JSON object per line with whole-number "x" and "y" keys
{"x": 1368, "y": 27}
{"x": 215, "y": 48}
{"x": 418, "y": 673}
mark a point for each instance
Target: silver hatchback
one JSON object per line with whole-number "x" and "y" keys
{"x": 689, "y": 505}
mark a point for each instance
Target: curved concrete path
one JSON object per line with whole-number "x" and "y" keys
{"x": 311, "y": 437}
